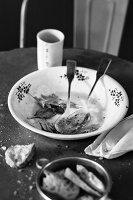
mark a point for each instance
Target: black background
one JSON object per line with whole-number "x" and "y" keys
{"x": 50, "y": 14}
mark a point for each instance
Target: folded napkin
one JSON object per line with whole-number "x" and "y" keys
{"x": 114, "y": 143}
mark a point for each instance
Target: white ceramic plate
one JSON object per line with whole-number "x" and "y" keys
{"x": 108, "y": 93}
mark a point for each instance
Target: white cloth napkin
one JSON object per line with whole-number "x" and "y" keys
{"x": 114, "y": 143}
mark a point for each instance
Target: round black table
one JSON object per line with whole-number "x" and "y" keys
{"x": 20, "y": 184}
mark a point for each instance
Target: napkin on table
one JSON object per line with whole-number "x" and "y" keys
{"x": 114, "y": 143}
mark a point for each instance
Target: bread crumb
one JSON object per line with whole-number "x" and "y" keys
{"x": 3, "y": 148}
{"x": 31, "y": 187}
{"x": 18, "y": 181}
{"x": 15, "y": 192}
{"x": 19, "y": 155}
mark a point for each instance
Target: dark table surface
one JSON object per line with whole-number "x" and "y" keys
{"x": 20, "y": 184}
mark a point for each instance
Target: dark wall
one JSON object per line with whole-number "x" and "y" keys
{"x": 9, "y": 24}
{"x": 56, "y": 14}
{"x": 44, "y": 14}
{"x": 126, "y": 48}
{"x": 41, "y": 14}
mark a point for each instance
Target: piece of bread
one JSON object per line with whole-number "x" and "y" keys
{"x": 79, "y": 182}
{"x": 19, "y": 155}
{"x": 90, "y": 178}
{"x": 56, "y": 183}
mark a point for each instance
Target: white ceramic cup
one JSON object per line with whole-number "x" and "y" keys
{"x": 49, "y": 48}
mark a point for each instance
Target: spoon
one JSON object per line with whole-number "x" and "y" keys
{"x": 71, "y": 65}
{"x": 74, "y": 122}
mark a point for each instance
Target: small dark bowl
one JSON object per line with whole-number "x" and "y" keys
{"x": 71, "y": 162}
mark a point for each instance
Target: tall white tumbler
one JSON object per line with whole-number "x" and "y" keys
{"x": 49, "y": 48}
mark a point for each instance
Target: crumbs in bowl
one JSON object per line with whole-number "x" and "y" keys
{"x": 71, "y": 185}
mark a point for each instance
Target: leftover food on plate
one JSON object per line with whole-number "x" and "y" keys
{"x": 19, "y": 155}
{"x": 73, "y": 123}
{"x": 38, "y": 99}
{"x": 70, "y": 184}
{"x": 51, "y": 107}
